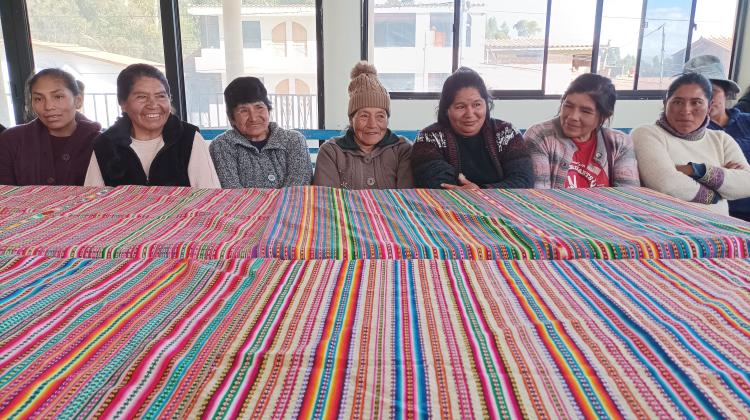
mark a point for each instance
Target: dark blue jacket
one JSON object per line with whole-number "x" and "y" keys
{"x": 739, "y": 128}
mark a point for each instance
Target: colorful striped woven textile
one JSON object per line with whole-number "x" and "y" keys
{"x": 139, "y": 222}
{"x": 43, "y": 199}
{"x": 324, "y": 223}
{"x": 601, "y": 223}
{"x": 325, "y": 338}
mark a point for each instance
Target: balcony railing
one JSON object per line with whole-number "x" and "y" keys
{"x": 208, "y": 110}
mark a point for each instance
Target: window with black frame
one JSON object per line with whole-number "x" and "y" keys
{"x": 275, "y": 41}
{"x": 535, "y": 48}
{"x": 412, "y": 40}
{"x": 95, "y": 45}
{"x": 6, "y": 102}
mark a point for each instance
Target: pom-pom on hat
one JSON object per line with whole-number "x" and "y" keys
{"x": 365, "y": 90}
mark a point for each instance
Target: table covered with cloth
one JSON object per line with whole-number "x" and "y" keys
{"x": 374, "y": 338}
{"x": 313, "y": 302}
{"x": 322, "y": 223}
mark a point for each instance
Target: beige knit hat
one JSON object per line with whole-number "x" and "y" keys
{"x": 365, "y": 89}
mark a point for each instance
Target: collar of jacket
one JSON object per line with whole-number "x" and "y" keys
{"x": 735, "y": 114}
{"x": 275, "y": 140}
{"x": 120, "y": 131}
{"x": 600, "y": 155}
{"x": 488, "y": 131}
{"x": 347, "y": 141}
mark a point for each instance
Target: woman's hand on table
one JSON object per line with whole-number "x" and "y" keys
{"x": 463, "y": 184}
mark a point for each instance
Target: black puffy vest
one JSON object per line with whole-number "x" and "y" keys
{"x": 120, "y": 165}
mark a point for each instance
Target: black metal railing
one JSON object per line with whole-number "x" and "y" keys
{"x": 208, "y": 110}
{"x": 289, "y": 111}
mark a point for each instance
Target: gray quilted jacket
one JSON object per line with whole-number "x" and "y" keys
{"x": 283, "y": 162}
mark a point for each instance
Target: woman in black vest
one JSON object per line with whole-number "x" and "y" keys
{"x": 148, "y": 145}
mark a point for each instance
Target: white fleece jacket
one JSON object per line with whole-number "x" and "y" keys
{"x": 658, "y": 152}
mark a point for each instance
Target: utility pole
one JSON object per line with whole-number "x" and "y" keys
{"x": 663, "y": 37}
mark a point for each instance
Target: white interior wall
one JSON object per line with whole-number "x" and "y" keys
{"x": 342, "y": 50}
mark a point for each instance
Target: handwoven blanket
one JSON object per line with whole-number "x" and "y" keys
{"x": 325, "y": 223}
{"x": 43, "y": 200}
{"x": 140, "y": 222}
{"x": 601, "y": 223}
{"x": 324, "y": 338}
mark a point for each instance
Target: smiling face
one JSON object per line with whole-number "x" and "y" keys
{"x": 148, "y": 107}
{"x": 251, "y": 120}
{"x": 467, "y": 112}
{"x": 687, "y": 108}
{"x": 578, "y": 116}
{"x": 369, "y": 125}
{"x": 55, "y": 105}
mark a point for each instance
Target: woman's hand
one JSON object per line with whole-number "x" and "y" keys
{"x": 685, "y": 169}
{"x": 463, "y": 184}
{"x": 733, "y": 165}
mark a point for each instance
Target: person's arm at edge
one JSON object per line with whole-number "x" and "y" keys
{"x": 93, "y": 174}
{"x": 539, "y": 155}
{"x": 326, "y": 170}
{"x": 201, "y": 171}
{"x": 299, "y": 165}
{"x": 404, "y": 176}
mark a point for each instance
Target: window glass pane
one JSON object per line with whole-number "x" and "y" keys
{"x": 414, "y": 38}
{"x": 251, "y": 34}
{"x": 395, "y": 30}
{"x": 95, "y": 43}
{"x": 7, "y": 116}
{"x": 274, "y": 41}
{"x": 618, "y": 42}
{"x": 208, "y": 29}
{"x": 397, "y": 82}
{"x": 435, "y": 81}
{"x": 507, "y": 42}
{"x": 714, "y": 30}
{"x": 441, "y": 28}
{"x": 570, "y": 34}
{"x": 664, "y": 41}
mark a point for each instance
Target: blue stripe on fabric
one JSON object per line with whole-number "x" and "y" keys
{"x": 549, "y": 326}
{"x": 679, "y": 336}
{"x": 643, "y": 334}
{"x": 421, "y": 377}
{"x": 329, "y": 359}
{"x": 398, "y": 389}
{"x": 170, "y": 384}
{"x": 33, "y": 288}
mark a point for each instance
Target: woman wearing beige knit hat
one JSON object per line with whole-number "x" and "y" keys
{"x": 369, "y": 155}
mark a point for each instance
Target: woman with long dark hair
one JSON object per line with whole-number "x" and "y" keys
{"x": 466, "y": 148}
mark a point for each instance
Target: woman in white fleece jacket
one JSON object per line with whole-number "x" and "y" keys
{"x": 680, "y": 157}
